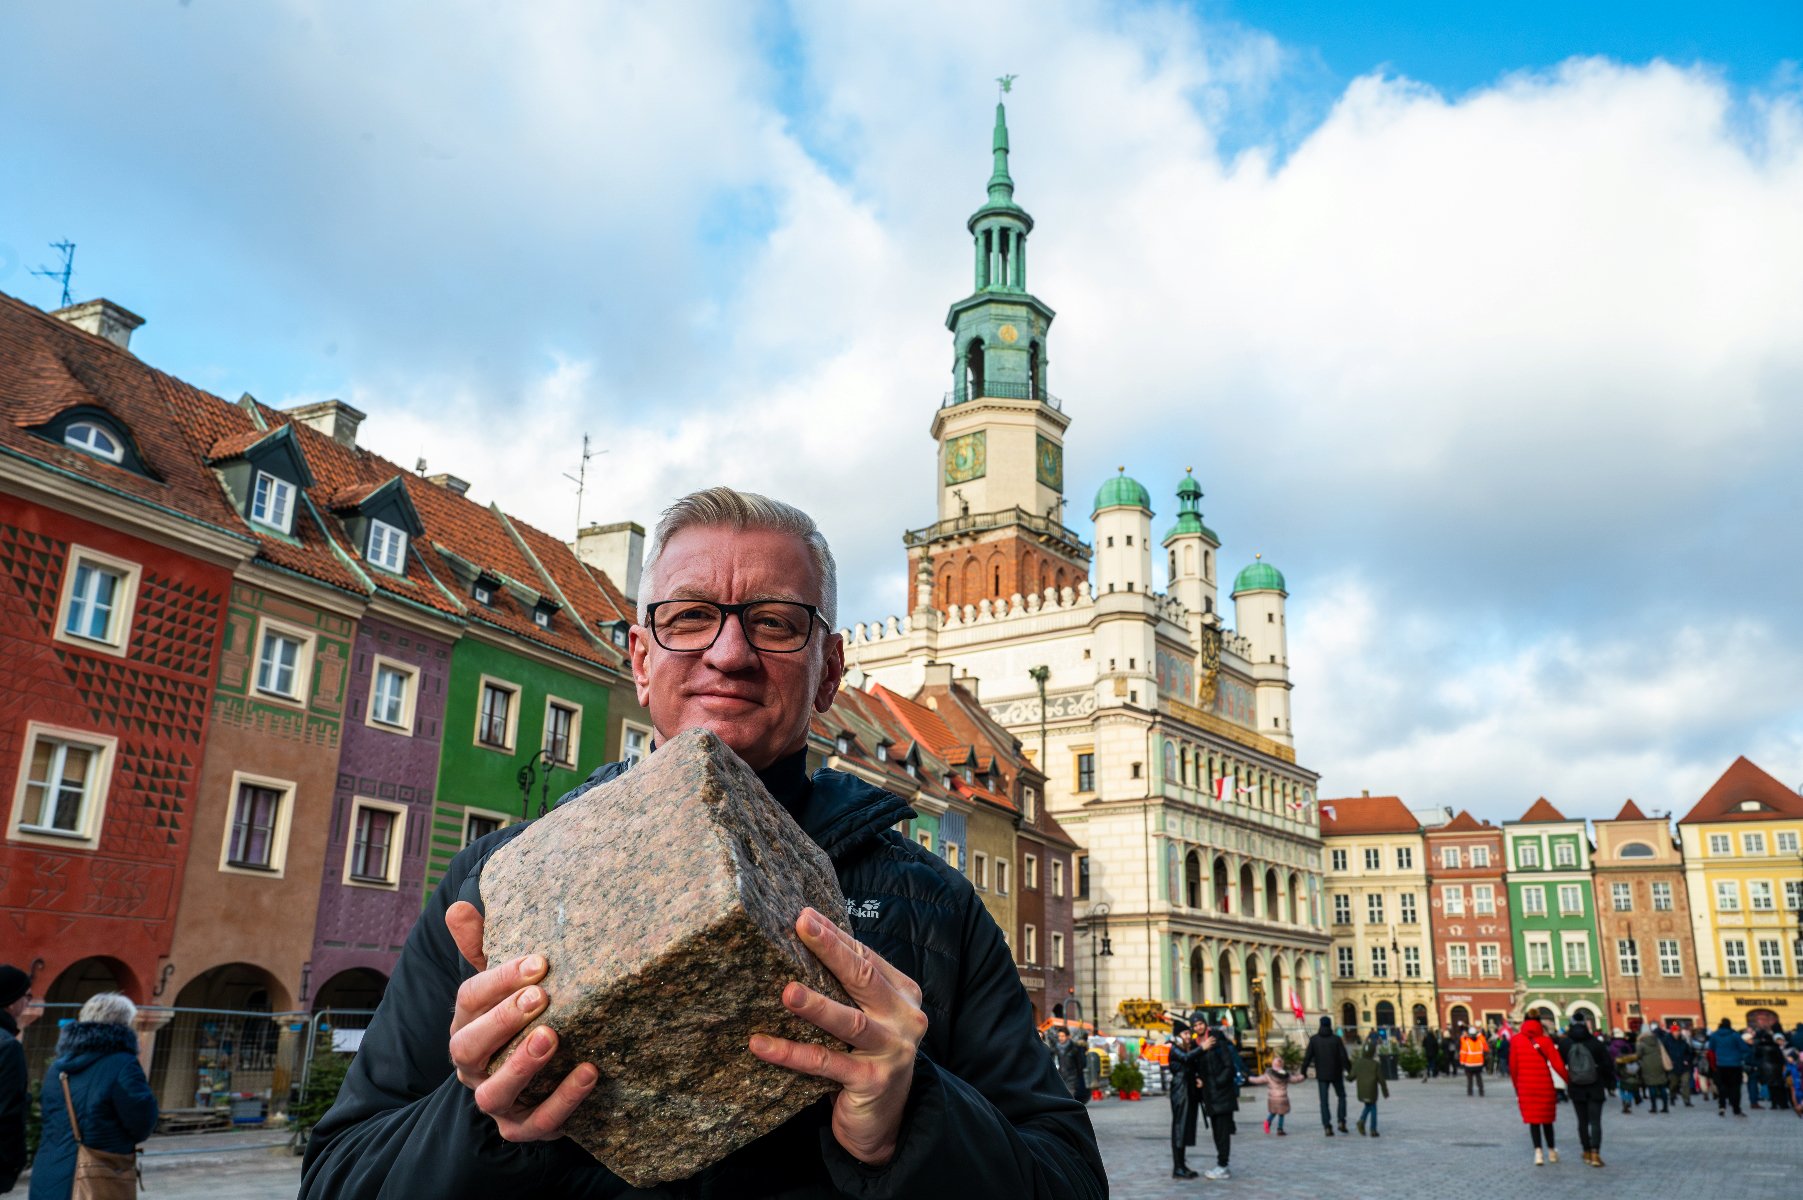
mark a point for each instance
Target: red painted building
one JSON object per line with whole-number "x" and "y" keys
{"x": 1474, "y": 957}
{"x": 117, "y": 552}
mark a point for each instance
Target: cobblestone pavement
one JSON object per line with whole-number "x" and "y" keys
{"x": 1438, "y": 1144}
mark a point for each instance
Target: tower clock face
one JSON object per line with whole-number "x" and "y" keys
{"x": 1009, "y": 334}
{"x": 967, "y": 457}
{"x": 1051, "y": 463}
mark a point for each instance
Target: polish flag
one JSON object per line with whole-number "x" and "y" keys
{"x": 1332, "y": 813}
{"x": 1224, "y": 788}
{"x": 1295, "y": 1004}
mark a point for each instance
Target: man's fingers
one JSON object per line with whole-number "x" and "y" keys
{"x": 806, "y": 1058}
{"x": 484, "y": 990}
{"x": 866, "y": 975}
{"x": 852, "y": 1026}
{"x": 465, "y": 924}
{"x": 546, "y": 1122}
{"x": 498, "y": 1094}
{"x": 481, "y": 1038}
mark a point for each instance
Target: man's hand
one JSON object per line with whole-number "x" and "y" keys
{"x": 493, "y": 1006}
{"x": 883, "y": 1031}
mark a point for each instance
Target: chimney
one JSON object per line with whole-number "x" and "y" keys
{"x": 1365, "y": 792}
{"x": 102, "y": 318}
{"x": 939, "y": 674}
{"x": 334, "y": 418}
{"x": 450, "y": 483}
{"x": 969, "y": 683}
{"x": 617, "y": 551}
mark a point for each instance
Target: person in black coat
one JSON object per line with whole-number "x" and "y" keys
{"x": 15, "y": 1088}
{"x": 1185, "y": 1096}
{"x": 943, "y": 1090}
{"x": 1326, "y": 1054}
{"x": 1068, "y": 1054}
{"x": 1430, "y": 1050}
{"x": 1219, "y": 1070}
{"x": 113, "y": 1102}
{"x": 1588, "y": 1095}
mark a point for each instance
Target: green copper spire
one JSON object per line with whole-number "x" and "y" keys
{"x": 1001, "y": 184}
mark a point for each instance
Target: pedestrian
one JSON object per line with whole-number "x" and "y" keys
{"x": 1503, "y": 1039}
{"x": 1793, "y": 1080}
{"x": 1655, "y": 1068}
{"x": 1069, "y": 1057}
{"x": 1430, "y": 1050}
{"x": 1386, "y": 1053}
{"x": 1326, "y": 1053}
{"x": 1185, "y": 1097}
{"x": 1677, "y": 1051}
{"x": 1368, "y": 1076}
{"x": 95, "y": 1075}
{"x": 938, "y": 1079}
{"x": 1627, "y": 1069}
{"x": 1703, "y": 1063}
{"x": 1219, "y": 1068}
{"x": 15, "y": 1088}
{"x": 1535, "y": 1065}
{"x": 1727, "y": 1057}
{"x": 1591, "y": 1071}
{"x": 1472, "y": 1051}
{"x": 1796, "y": 1038}
{"x": 1768, "y": 1065}
{"x": 1276, "y": 1081}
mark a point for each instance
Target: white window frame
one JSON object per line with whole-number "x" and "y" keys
{"x": 1406, "y": 913}
{"x": 949, "y": 852}
{"x": 483, "y": 683}
{"x": 1527, "y": 855}
{"x": 1452, "y": 900}
{"x": 1538, "y": 945}
{"x": 284, "y": 819}
{"x": 1411, "y": 962}
{"x": 93, "y": 806}
{"x": 1760, "y": 897}
{"x": 1730, "y": 958}
{"x": 1001, "y": 877}
{"x": 1405, "y": 858}
{"x": 1345, "y": 963}
{"x": 1580, "y": 943}
{"x": 1380, "y": 961}
{"x": 1449, "y": 858}
{"x": 1575, "y": 894}
{"x": 1565, "y": 854}
{"x": 1342, "y": 908}
{"x": 268, "y": 627}
{"x": 1533, "y": 901}
{"x": 87, "y": 446}
{"x": 1058, "y": 880}
{"x": 117, "y": 639}
{"x": 1374, "y": 908}
{"x": 1458, "y": 960}
{"x": 386, "y": 547}
{"x": 1374, "y": 858}
{"x": 409, "y": 695}
{"x": 1029, "y": 872}
{"x": 1727, "y": 895}
{"x": 575, "y": 747}
{"x": 1030, "y": 944}
{"x": 396, "y": 846}
{"x": 1621, "y": 897}
{"x": 1770, "y": 964}
{"x": 1057, "y": 951}
{"x": 1483, "y": 899}
{"x": 925, "y": 839}
{"x": 979, "y": 870}
{"x": 501, "y": 819}
{"x": 1489, "y": 960}
{"x": 1336, "y": 860}
{"x": 1662, "y": 896}
{"x": 1480, "y": 856}
{"x": 278, "y": 488}
{"x": 627, "y": 729}
{"x": 1721, "y": 843}
{"x": 1627, "y": 956}
{"x": 1786, "y": 840}
{"x": 1671, "y": 958}
{"x": 1752, "y": 843}
{"x": 1793, "y": 895}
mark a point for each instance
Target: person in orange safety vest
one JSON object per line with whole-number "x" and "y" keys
{"x": 1471, "y": 1056}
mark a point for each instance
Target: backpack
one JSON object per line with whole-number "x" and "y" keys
{"x": 1582, "y": 1063}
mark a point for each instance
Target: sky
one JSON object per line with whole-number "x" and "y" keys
{"x": 1483, "y": 323}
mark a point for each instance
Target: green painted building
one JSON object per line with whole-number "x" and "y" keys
{"x": 1552, "y": 912}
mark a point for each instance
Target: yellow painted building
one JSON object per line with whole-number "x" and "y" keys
{"x": 1382, "y": 961}
{"x": 1743, "y": 869}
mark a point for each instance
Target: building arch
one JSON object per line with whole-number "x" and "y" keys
{"x": 1418, "y": 1016}
{"x": 974, "y": 364}
{"x": 1386, "y": 1015}
{"x": 948, "y": 596}
{"x": 1248, "y": 891}
{"x": 1222, "y": 887}
{"x": 1224, "y": 977}
{"x": 1349, "y": 1015}
{"x": 1274, "y": 995}
{"x": 356, "y": 989}
{"x": 1295, "y": 900}
{"x": 971, "y": 589}
{"x": 1198, "y": 976}
{"x": 88, "y": 977}
{"x": 1459, "y": 1017}
{"x": 1273, "y": 903}
{"x": 1192, "y": 879}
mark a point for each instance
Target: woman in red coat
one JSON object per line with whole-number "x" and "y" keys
{"x": 1533, "y": 1060}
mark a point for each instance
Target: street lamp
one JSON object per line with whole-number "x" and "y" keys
{"x": 537, "y": 769}
{"x": 1639, "y": 1007}
{"x": 1099, "y": 948}
{"x": 1396, "y": 957}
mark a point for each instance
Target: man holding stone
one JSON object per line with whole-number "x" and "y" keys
{"x": 944, "y": 1088}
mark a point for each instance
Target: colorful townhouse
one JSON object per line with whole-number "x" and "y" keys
{"x": 1553, "y": 915}
{"x": 1468, "y": 906}
{"x": 1743, "y": 866}
{"x": 118, "y": 552}
{"x": 1644, "y": 922}
{"x": 1377, "y": 891}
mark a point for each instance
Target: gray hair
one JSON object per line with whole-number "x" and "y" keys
{"x": 744, "y": 510}
{"x": 109, "y": 1008}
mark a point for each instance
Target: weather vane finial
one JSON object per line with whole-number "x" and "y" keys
{"x": 1007, "y": 81}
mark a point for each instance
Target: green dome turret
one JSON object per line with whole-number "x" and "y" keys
{"x": 1189, "y": 510}
{"x": 1123, "y": 491}
{"x": 1259, "y": 576}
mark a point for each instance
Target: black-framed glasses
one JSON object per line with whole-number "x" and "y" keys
{"x": 774, "y": 626}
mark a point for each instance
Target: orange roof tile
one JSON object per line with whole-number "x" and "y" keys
{"x": 922, "y": 723}
{"x": 1463, "y": 823}
{"x": 1744, "y": 783}
{"x": 1366, "y": 814}
{"x": 1540, "y": 811}
{"x": 1630, "y": 812}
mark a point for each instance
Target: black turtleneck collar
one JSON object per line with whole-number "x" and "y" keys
{"x": 787, "y": 779}
{"x": 7, "y": 1023}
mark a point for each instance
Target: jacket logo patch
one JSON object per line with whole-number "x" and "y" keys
{"x": 865, "y": 910}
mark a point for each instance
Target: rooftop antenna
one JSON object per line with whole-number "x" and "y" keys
{"x": 65, "y": 274}
{"x": 419, "y": 466}
{"x": 1006, "y": 82}
{"x": 580, "y": 478}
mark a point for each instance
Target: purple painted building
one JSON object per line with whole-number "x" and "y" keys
{"x": 381, "y": 808}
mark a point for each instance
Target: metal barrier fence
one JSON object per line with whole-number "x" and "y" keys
{"x": 215, "y": 1068}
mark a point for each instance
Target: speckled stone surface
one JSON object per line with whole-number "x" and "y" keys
{"x": 665, "y": 903}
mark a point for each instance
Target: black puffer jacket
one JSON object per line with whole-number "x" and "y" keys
{"x": 986, "y": 1115}
{"x": 1219, "y": 1069}
{"x": 1327, "y": 1055}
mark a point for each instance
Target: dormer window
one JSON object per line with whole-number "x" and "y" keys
{"x": 387, "y": 547}
{"x": 843, "y": 743}
{"x": 272, "y": 503}
{"x": 913, "y": 770}
{"x": 483, "y": 592}
{"x": 541, "y": 617}
{"x": 882, "y": 751}
{"x": 90, "y": 438}
{"x": 618, "y": 635}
